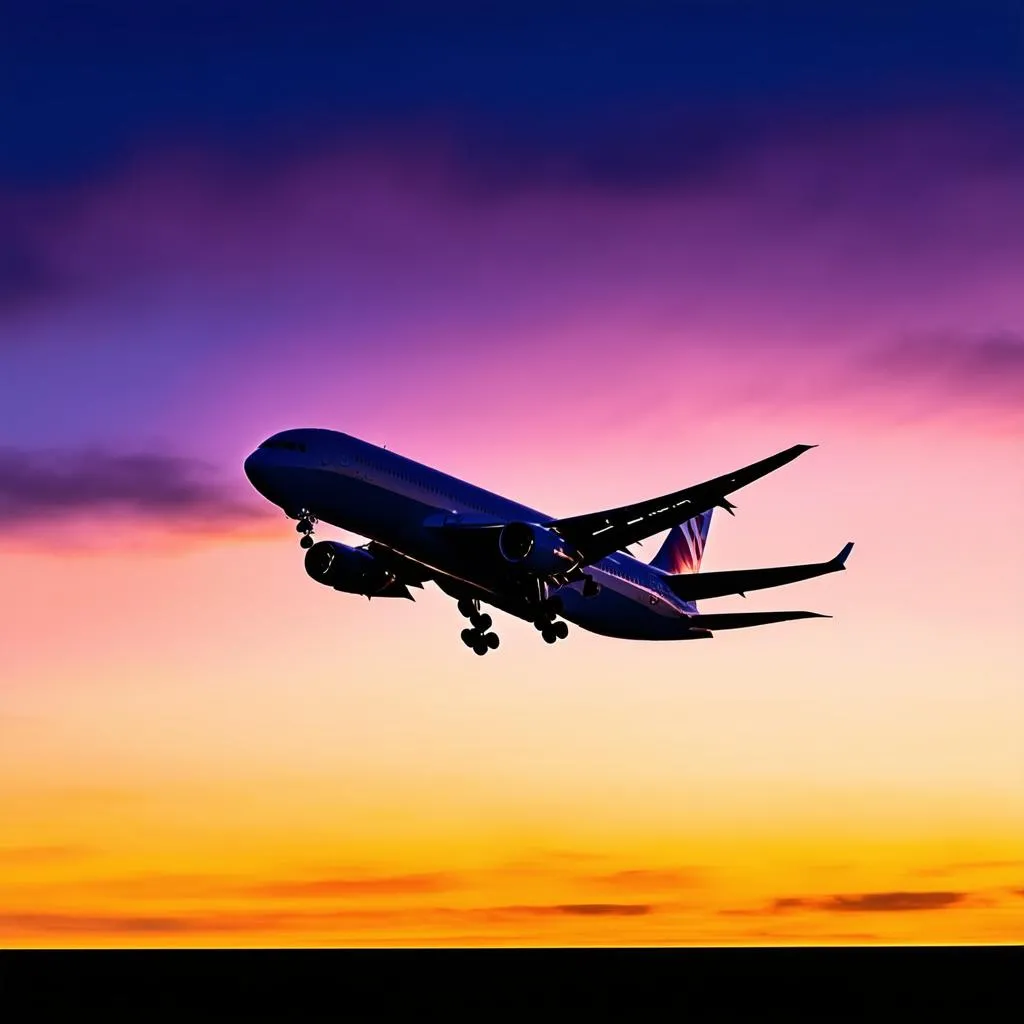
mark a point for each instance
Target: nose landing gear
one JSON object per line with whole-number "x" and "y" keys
{"x": 305, "y": 526}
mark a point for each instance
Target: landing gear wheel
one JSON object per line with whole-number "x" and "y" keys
{"x": 549, "y": 635}
{"x": 561, "y": 630}
{"x": 305, "y": 526}
{"x": 469, "y": 637}
{"x": 492, "y": 641}
{"x": 481, "y": 622}
{"x": 481, "y": 646}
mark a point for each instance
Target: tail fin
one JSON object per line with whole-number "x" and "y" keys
{"x": 684, "y": 546}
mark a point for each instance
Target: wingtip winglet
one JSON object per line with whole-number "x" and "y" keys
{"x": 844, "y": 554}
{"x": 796, "y": 451}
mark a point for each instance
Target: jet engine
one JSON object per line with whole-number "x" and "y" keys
{"x": 351, "y": 570}
{"x": 536, "y": 549}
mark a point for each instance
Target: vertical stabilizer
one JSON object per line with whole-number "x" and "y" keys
{"x": 684, "y": 546}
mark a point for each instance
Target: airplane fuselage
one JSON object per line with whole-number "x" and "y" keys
{"x": 400, "y": 503}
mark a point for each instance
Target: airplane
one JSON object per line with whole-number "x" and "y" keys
{"x": 481, "y": 548}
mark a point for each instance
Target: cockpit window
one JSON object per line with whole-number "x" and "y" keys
{"x": 292, "y": 446}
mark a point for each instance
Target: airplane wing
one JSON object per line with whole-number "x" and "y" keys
{"x": 597, "y": 534}
{"x": 739, "y": 620}
{"x": 694, "y": 586}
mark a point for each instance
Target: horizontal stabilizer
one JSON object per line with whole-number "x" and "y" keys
{"x": 699, "y": 585}
{"x": 739, "y": 620}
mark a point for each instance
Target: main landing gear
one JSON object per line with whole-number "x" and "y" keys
{"x": 306, "y": 524}
{"x": 477, "y": 638}
{"x": 545, "y": 621}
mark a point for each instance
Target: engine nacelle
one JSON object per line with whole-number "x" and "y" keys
{"x": 351, "y": 570}
{"x": 536, "y": 549}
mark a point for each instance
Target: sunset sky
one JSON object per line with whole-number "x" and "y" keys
{"x": 580, "y": 261}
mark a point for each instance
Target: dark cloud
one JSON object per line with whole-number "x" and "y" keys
{"x": 29, "y": 923}
{"x": 164, "y": 885}
{"x": 924, "y": 376}
{"x": 870, "y": 902}
{"x": 170, "y": 490}
{"x": 35, "y": 923}
{"x": 948, "y": 374}
{"x": 791, "y": 903}
{"x": 578, "y": 910}
{"x": 983, "y": 367}
{"x": 605, "y": 909}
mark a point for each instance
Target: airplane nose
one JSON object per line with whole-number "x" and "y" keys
{"x": 251, "y": 467}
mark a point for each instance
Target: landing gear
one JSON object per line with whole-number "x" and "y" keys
{"x": 546, "y": 611}
{"x": 485, "y": 642}
{"x": 590, "y": 587}
{"x": 545, "y": 623}
{"x": 554, "y": 631}
{"x": 305, "y": 526}
{"x": 477, "y": 638}
{"x": 480, "y": 641}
